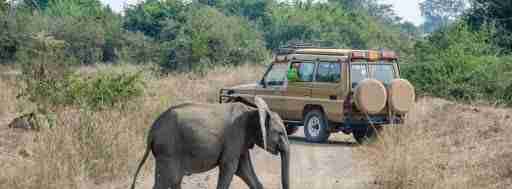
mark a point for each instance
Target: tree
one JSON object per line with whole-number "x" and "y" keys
{"x": 3, "y": 6}
{"x": 37, "y": 4}
{"x": 496, "y": 12}
{"x": 440, "y": 13}
{"x": 149, "y": 16}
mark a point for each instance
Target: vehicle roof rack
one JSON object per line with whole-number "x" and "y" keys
{"x": 292, "y": 46}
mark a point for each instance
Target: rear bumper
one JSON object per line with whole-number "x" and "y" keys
{"x": 375, "y": 120}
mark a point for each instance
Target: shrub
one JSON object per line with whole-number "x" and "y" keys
{"x": 49, "y": 81}
{"x": 208, "y": 37}
{"x": 458, "y": 63}
{"x": 106, "y": 90}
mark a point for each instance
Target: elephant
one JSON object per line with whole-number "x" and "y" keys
{"x": 192, "y": 138}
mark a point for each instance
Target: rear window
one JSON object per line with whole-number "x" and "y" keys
{"x": 383, "y": 72}
{"x": 358, "y": 72}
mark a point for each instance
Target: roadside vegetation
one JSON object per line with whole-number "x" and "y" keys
{"x": 99, "y": 78}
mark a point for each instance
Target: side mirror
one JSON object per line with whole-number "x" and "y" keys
{"x": 262, "y": 82}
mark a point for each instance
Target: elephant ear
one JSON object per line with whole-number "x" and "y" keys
{"x": 262, "y": 109}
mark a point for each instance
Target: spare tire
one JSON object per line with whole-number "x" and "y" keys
{"x": 401, "y": 96}
{"x": 370, "y": 96}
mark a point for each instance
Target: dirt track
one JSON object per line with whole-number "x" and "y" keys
{"x": 313, "y": 166}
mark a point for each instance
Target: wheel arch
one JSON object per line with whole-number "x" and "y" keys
{"x": 309, "y": 107}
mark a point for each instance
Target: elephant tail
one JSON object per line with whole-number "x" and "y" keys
{"x": 144, "y": 158}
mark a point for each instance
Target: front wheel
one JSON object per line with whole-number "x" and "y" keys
{"x": 316, "y": 128}
{"x": 367, "y": 134}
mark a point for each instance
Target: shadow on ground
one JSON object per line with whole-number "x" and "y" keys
{"x": 298, "y": 140}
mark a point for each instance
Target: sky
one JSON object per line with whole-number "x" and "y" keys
{"x": 409, "y": 10}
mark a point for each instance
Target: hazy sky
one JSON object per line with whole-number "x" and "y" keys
{"x": 407, "y": 9}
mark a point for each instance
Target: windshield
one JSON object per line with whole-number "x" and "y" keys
{"x": 382, "y": 72}
{"x": 276, "y": 74}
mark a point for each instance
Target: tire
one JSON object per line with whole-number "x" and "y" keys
{"x": 366, "y": 135}
{"x": 316, "y": 128}
{"x": 290, "y": 130}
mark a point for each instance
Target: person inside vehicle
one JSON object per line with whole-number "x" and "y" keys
{"x": 293, "y": 73}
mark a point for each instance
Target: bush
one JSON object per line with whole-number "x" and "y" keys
{"x": 210, "y": 38}
{"x": 50, "y": 82}
{"x": 138, "y": 48}
{"x": 105, "y": 90}
{"x": 458, "y": 63}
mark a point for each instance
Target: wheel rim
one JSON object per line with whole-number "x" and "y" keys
{"x": 314, "y": 126}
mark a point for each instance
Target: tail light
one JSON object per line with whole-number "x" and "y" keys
{"x": 389, "y": 55}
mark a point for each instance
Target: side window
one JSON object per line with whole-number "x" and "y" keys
{"x": 276, "y": 75}
{"x": 328, "y": 72}
{"x": 304, "y": 70}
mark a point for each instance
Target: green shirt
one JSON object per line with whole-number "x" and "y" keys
{"x": 293, "y": 76}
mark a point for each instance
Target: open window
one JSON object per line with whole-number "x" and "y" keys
{"x": 304, "y": 70}
{"x": 276, "y": 75}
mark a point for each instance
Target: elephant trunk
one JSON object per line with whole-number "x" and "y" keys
{"x": 285, "y": 163}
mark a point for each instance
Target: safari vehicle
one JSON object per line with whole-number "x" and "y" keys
{"x": 329, "y": 90}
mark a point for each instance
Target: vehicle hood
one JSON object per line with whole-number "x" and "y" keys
{"x": 244, "y": 86}
{"x": 242, "y": 89}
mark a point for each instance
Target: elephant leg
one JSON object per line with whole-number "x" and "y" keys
{"x": 168, "y": 174}
{"x": 226, "y": 171}
{"x": 246, "y": 172}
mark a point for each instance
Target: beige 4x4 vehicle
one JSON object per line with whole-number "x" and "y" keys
{"x": 352, "y": 91}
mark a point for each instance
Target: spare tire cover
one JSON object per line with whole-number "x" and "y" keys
{"x": 370, "y": 96}
{"x": 401, "y": 96}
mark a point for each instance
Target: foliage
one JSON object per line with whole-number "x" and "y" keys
{"x": 107, "y": 90}
{"x": 329, "y": 22}
{"x": 8, "y": 38}
{"x": 209, "y": 37}
{"x": 3, "y": 6}
{"x": 49, "y": 81}
{"x": 495, "y": 12}
{"x": 458, "y": 63}
{"x": 441, "y": 13}
{"x": 149, "y": 16}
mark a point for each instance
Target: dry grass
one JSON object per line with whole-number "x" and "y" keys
{"x": 87, "y": 148}
{"x": 445, "y": 145}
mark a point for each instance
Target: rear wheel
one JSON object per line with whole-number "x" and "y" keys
{"x": 367, "y": 134}
{"x": 316, "y": 128}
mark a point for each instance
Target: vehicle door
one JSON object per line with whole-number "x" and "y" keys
{"x": 329, "y": 90}
{"x": 272, "y": 86}
{"x": 298, "y": 93}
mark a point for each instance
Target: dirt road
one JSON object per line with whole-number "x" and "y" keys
{"x": 313, "y": 166}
